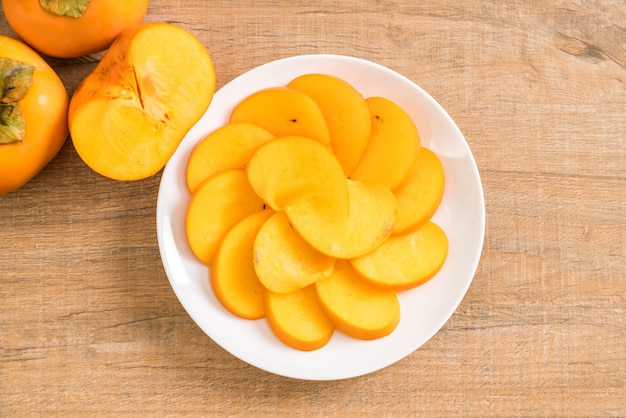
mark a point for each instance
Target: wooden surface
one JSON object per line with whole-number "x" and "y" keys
{"x": 90, "y": 325}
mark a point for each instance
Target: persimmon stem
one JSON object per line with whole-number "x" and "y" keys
{"x": 69, "y": 8}
{"x": 16, "y": 78}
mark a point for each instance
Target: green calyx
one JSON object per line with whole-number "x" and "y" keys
{"x": 70, "y": 8}
{"x": 16, "y": 79}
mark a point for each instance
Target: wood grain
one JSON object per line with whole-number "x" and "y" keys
{"x": 89, "y": 324}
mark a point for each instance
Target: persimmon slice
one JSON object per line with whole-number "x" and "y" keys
{"x": 370, "y": 221}
{"x": 345, "y": 112}
{"x": 420, "y": 197}
{"x": 283, "y": 261}
{"x": 218, "y": 204}
{"x": 356, "y": 307}
{"x": 298, "y": 320}
{"x": 405, "y": 261}
{"x": 286, "y": 169}
{"x": 283, "y": 112}
{"x": 233, "y": 277}
{"x": 392, "y": 147}
{"x": 228, "y": 147}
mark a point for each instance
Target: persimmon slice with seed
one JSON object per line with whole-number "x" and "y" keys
{"x": 283, "y": 112}
{"x": 391, "y": 149}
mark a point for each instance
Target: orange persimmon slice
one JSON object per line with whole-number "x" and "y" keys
{"x": 346, "y": 114}
{"x": 298, "y": 320}
{"x": 283, "y": 112}
{"x": 233, "y": 277}
{"x": 228, "y": 147}
{"x": 420, "y": 197}
{"x": 284, "y": 170}
{"x": 405, "y": 261}
{"x": 216, "y": 206}
{"x": 283, "y": 261}
{"x": 356, "y": 307}
{"x": 370, "y": 221}
{"x": 392, "y": 147}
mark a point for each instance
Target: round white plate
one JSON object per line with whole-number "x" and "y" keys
{"x": 424, "y": 310}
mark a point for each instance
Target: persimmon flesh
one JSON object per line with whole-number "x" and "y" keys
{"x": 392, "y": 146}
{"x": 229, "y": 146}
{"x": 233, "y": 278}
{"x": 216, "y": 206}
{"x": 283, "y": 112}
{"x": 372, "y": 214}
{"x": 356, "y": 307}
{"x": 130, "y": 114}
{"x": 345, "y": 111}
{"x": 419, "y": 198}
{"x": 405, "y": 261}
{"x": 297, "y": 319}
{"x": 291, "y": 168}
{"x": 72, "y": 28}
{"x": 285, "y": 262}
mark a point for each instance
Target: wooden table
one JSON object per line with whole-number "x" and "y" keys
{"x": 90, "y": 325}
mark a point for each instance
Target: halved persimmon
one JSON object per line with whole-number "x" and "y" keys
{"x": 130, "y": 114}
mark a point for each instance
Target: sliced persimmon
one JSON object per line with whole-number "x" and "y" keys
{"x": 283, "y": 261}
{"x": 233, "y": 278}
{"x": 216, "y": 206}
{"x": 392, "y": 147}
{"x": 284, "y": 170}
{"x": 356, "y": 307}
{"x": 283, "y": 112}
{"x": 405, "y": 261}
{"x": 370, "y": 221}
{"x": 298, "y": 320}
{"x": 420, "y": 197}
{"x": 228, "y": 147}
{"x": 346, "y": 114}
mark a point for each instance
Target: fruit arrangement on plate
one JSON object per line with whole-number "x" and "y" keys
{"x": 312, "y": 207}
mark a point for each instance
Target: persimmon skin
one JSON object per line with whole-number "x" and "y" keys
{"x": 44, "y": 109}
{"x": 69, "y": 37}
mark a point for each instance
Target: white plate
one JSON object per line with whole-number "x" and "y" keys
{"x": 425, "y": 309}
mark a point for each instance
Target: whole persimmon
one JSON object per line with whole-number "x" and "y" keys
{"x": 72, "y": 28}
{"x": 33, "y": 114}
